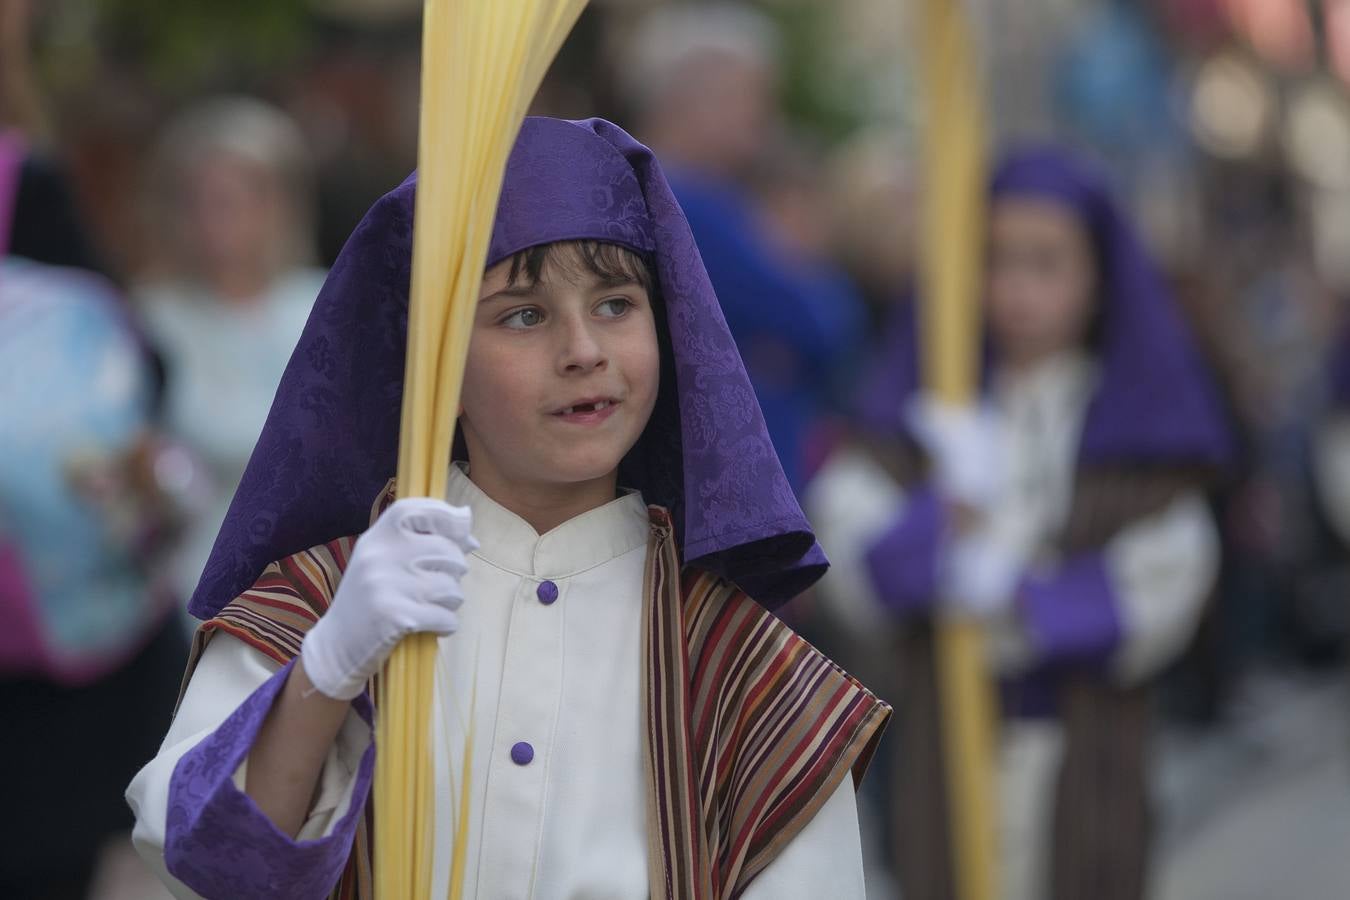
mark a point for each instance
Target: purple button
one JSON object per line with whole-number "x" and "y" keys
{"x": 547, "y": 592}
{"x": 522, "y": 754}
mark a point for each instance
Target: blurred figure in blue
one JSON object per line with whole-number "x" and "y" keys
{"x": 874, "y": 210}
{"x": 89, "y": 645}
{"x": 1066, "y": 511}
{"x": 703, "y": 82}
{"x": 232, "y": 200}
{"x": 1284, "y": 582}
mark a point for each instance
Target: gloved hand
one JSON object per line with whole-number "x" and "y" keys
{"x": 979, "y": 575}
{"x": 403, "y": 578}
{"x": 966, "y": 447}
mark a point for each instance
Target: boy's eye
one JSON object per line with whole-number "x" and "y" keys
{"x": 523, "y": 318}
{"x": 614, "y": 307}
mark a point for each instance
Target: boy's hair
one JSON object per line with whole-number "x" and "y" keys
{"x": 608, "y": 262}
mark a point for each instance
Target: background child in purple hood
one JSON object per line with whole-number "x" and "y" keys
{"x": 1066, "y": 511}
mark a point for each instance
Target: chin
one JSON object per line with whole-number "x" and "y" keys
{"x": 582, "y": 468}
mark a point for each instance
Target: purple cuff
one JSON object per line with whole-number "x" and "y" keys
{"x": 1072, "y": 614}
{"x": 903, "y": 562}
{"x": 222, "y": 846}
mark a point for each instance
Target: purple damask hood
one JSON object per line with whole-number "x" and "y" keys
{"x": 331, "y": 439}
{"x": 1155, "y": 402}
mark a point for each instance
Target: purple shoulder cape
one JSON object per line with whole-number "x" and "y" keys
{"x": 330, "y": 441}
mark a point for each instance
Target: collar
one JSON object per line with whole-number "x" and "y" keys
{"x": 583, "y": 542}
{"x": 1065, "y": 380}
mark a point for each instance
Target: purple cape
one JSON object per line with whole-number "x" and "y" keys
{"x": 331, "y": 438}
{"x": 1156, "y": 402}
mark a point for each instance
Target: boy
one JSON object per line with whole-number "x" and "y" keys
{"x": 643, "y": 727}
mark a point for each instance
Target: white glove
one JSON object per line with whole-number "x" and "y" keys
{"x": 966, "y": 446}
{"x": 403, "y": 578}
{"x": 979, "y": 575}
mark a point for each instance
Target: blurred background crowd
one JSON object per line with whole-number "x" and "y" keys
{"x": 176, "y": 177}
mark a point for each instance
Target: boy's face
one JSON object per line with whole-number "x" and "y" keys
{"x": 561, "y": 378}
{"x": 1042, "y": 279}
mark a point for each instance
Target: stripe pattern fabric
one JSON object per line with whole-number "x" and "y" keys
{"x": 749, "y": 728}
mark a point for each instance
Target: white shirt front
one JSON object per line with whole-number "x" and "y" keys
{"x": 567, "y": 817}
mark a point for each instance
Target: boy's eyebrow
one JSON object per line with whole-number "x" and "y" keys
{"x": 602, "y": 282}
{"x": 518, "y": 290}
{"x": 613, "y": 281}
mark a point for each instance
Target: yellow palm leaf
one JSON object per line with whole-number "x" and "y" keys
{"x": 954, "y": 220}
{"x": 482, "y": 62}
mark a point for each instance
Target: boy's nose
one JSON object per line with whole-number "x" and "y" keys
{"x": 581, "y": 351}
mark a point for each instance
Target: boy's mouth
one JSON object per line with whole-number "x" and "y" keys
{"x": 585, "y": 406}
{"x": 589, "y": 410}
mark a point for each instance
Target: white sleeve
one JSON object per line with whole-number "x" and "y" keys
{"x": 1332, "y": 467}
{"x": 850, "y": 502}
{"x": 227, "y": 674}
{"x": 823, "y": 860}
{"x": 1162, "y": 569}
